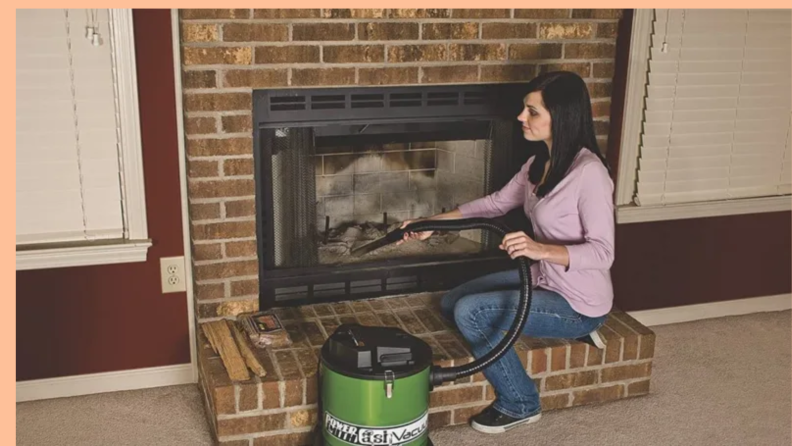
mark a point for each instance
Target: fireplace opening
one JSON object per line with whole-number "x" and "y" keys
{"x": 364, "y": 191}
{"x": 338, "y": 168}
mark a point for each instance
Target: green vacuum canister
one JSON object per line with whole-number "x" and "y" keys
{"x": 374, "y": 387}
{"x": 375, "y": 381}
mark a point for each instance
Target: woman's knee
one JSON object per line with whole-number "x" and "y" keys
{"x": 466, "y": 311}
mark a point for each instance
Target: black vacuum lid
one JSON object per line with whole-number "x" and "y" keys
{"x": 367, "y": 352}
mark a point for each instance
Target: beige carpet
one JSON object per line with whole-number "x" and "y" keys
{"x": 162, "y": 416}
{"x": 717, "y": 382}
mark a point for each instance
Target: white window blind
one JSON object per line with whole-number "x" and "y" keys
{"x": 717, "y": 107}
{"x": 68, "y": 186}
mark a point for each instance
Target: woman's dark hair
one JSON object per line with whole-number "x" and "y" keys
{"x": 566, "y": 97}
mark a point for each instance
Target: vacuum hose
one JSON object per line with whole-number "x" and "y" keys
{"x": 440, "y": 375}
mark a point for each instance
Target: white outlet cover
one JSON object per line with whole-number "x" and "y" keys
{"x": 172, "y": 274}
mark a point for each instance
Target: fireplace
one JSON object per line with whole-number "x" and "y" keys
{"x": 338, "y": 167}
{"x": 243, "y": 262}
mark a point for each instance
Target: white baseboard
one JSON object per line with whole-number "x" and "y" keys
{"x": 104, "y": 382}
{"x": 687, "y": 313}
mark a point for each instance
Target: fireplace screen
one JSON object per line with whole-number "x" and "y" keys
{"x": 327, "y": 200}
{"x": 359, "y": 196}
{"x": 327, "y": 186}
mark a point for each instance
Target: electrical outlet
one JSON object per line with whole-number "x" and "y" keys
{"x": 172, "y": 274}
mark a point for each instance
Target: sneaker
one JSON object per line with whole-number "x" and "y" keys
{"x": 491, "y": 421}
{"x": 593, "y": 338}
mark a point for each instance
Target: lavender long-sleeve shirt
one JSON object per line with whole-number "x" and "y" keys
{"x": 578, "y": 213}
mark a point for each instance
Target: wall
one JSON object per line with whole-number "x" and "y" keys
{"x": 684, "y": 262}
{"x": 73, "y": 321}
{"x": 227, "y": 53}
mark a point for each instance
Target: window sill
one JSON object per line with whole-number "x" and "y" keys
{"x": 67, "y": 255}
{"x": 637, "y": 214}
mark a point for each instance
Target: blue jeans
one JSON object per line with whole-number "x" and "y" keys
{"x": 483, "y": 310}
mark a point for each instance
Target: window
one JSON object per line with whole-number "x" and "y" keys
{"x": 707, "y": 115}
{"x": 79, "y": 173}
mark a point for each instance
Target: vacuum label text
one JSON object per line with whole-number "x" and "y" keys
{"x": 375, "y": 436}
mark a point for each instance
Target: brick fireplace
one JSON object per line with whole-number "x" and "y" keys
{"x": 228, "y": 55}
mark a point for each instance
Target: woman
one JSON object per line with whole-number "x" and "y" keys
{"x": 566, "y": 191}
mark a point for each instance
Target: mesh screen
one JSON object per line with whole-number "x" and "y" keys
{"x": 292, "y": 216}
{"x": 293, "y": 197}
{"x": 496, "y": 165}
{"x": 486, "y": 236}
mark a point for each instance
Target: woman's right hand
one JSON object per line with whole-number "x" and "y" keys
{"x": 414, "y": 235}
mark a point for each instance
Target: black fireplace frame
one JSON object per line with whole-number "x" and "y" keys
{"x": 286, "y": 108}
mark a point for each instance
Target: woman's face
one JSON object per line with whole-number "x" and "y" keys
{"x": 535, "y": 119}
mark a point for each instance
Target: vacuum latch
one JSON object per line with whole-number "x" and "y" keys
{"x": 389, "y": 379}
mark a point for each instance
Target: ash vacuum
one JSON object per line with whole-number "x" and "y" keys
{"x": 374, "y": 382}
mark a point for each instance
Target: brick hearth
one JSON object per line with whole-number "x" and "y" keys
{"x": 280, "y": 409}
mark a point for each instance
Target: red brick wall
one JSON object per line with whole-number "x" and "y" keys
{"x": 228, "y": 53}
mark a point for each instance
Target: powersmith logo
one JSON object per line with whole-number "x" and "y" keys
{"x": 376, "y": 436}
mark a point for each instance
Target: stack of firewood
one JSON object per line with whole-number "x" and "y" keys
{"x": 228, "y": 341}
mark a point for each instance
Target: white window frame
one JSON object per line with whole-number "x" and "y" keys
{"x": 134, "y": 246}
{"x": 626, "y": 210}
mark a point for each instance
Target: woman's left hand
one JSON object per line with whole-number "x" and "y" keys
{"x": 518, "y": 244}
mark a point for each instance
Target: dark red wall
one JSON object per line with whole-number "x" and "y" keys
{"x": 73, "y": 321}
{"x": 683, "y": 262}
{"x": 80, "y": 320}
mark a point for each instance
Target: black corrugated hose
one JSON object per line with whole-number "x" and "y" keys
{"x": 440, "y": 375}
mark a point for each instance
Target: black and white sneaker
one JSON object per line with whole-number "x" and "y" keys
{"x": 491, "y": 421}
{"x": 593, "y": 338}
